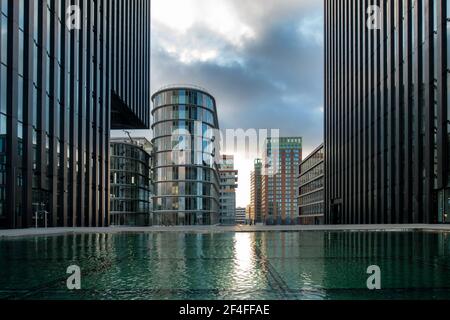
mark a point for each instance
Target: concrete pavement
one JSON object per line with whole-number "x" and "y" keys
{"x": 219, "y": 229}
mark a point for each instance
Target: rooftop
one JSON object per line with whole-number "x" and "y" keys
{"x": 182, "y": 86}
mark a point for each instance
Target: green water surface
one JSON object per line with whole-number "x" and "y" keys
{"x": 263, "y": 265}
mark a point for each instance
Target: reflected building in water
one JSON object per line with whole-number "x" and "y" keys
{"x": 264, "y": 265}
{"x": 410, "y": 262}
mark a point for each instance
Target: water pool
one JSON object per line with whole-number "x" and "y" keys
{"x": 259, "y": 265}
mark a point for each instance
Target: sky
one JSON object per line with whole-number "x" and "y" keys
{"x": 262, "y": 60}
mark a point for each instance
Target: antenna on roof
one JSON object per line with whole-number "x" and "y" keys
{"x": 129, "y": 135}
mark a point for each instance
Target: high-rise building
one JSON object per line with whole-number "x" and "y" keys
{"x": 249, "y": 216}
{"x": 185, "y": 139}
{"x": 61, "y": 92}
{"x": 311, "y": 188}
{"x": 228, "y": 184}
{"x": 387, "y": 111}
{"x": 256, "y": 192}
{"x": 240, "y": 216}
{"x": 130, "y": 182}
{"x": 281, "y": 162}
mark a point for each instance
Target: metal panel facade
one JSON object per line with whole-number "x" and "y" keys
{"x": 56, "y": 92}
{"x": 386, "y": 111}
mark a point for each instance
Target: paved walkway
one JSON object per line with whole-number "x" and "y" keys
{"x": 218, "y": 229}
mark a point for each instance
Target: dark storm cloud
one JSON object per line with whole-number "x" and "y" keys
{"x": 274, "y": 79}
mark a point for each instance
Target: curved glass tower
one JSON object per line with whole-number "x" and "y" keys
{"x": 185, "y": 137}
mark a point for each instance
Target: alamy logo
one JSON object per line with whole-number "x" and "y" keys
{"x": 74, "y": 280}
{"x": 374, "y": 17}
{"x": 73, "y": 17}
{"x": 374, "y": 281}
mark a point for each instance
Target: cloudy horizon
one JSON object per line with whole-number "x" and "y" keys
{"x": 261, "y": 60}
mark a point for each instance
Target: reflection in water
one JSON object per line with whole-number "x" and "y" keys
{"x": 295, "y": 261}
{"x": 243, "y": 256}
{"x": 412, "y": 262}
{"x": 243, "y": 276}
{"x": 266, "y": 265}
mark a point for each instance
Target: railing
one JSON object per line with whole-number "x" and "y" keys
{"x": 187, "y": 86}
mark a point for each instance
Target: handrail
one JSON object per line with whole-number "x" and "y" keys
{"x": 187, "y": 86}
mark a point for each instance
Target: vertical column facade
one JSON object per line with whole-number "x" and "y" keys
{"x": 55, "y": 109}
{"x": 386, "y": 111}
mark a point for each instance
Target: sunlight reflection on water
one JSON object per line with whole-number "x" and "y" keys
{"x": 265, "y": 265}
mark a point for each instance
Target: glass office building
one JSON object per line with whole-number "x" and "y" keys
{"x": 311, "y": 188}
{"x": 186, "y": 173}
{"x": 228, "y": 184}
{"x": 240, "y": 216}
{"x": 387, "y": 111}
{"x": 130, "y": 182}
{"x": 60, "y": 92}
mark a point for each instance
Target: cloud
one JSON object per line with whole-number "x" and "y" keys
{"x": 262, "y": 60}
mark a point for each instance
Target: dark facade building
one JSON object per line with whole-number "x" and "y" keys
{"x": 311, "y": 188}
{"x": 387, "y": 117}
{"x": 187, "y": 184}
{"x": 61, "y": 92}
{"x": 130, "y": 182}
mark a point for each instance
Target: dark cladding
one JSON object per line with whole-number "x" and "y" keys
{"x": 387, "y": 112}
{"x": 60, "y": 91}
